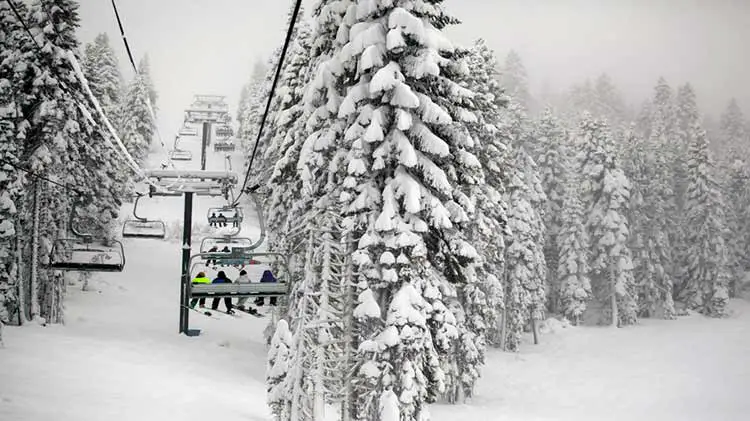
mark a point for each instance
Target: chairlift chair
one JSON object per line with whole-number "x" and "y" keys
{"x": 224, "y": 131}
{"x": 188, "y": 131}
{"x": 140, "y": 227}
{"x": 180, "y": 155}
{"x": 224, "y": 146}
{"x": 84, "y": 253}
{"x": 225, "y": 216}
{"x": 255, "y": 264}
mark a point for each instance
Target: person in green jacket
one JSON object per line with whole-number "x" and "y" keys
{"x": 200, "y": 279}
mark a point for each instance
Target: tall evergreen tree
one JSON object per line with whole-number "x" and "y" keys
{"x": 609, "y": 103}
{"x": 515, "y": 79}
{"x": 526, "y": 269}
{"x": 652, "y": 207}
{"x": 408, "y": 171}
{"x": 605, "y": 194}
{"x": 103, "y": 74}
{"x": 734, "y": 137}
{"x": 15, "y": 47}
{"x": 490, "y": 228}
{"x": 687, "y": 116}
{"x": 737, "y": 193}
{"x": 573, "y": 258}
{"x": 706, "y": 257}
{"x": 550, "y": 143}
{"x": 137, "y": 124}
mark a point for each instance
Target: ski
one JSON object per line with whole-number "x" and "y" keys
{"x": 202, "y": 312}
{"x": 224, "y": 312}
{"x": 256, "y": 314}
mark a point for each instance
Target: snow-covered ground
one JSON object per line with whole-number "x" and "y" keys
{"x": 119, "y": 356}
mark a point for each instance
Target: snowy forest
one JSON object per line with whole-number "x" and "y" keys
{"x": 432, "y": 206}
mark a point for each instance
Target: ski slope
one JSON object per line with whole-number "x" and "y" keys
{"x": 119, "y": 356}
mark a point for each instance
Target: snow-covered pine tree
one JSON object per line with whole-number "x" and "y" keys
{"x": 260, "y": 172}
{"x": 734, "y": 136}
{"x": 404, "y": 115}
{"x": 249, "y": 106}
{"x": 687, "y": 116}
{"x": 609, "y": 104}
{"x": 549, "y": 141}
{"x": 103, "y": 74}
{"x": 579, "y": 98}
{"x": 286, "y": 140}
{"x": 277, "y": 369}
{"x": 706, "y": 257}
{"x": 514, "y": 79}
{"x": 59, "y": 143}
{"x": 652, "y": 207}
{"x": 137, "y": 125}
{"x": 526, "y": 269}
{"x": 483, "y": 302}
{"x": 144, "y": 70}
{"x": 14, "y": 48}
{"x": 312, "y": 382}
{"x": 605, "y": 195}
{"x": 663, "y": 113}
{"x": 573, "y": 259}
{"x": 737, "y": 194}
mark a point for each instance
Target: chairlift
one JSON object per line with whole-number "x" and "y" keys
{"x": 84, "y": 253}
{"x": 188, "y": 131}
{"x": 140, "y": 227}
{"x": 225, "y": 216}
{"x": 225, "y": 243}
{"x": 255, "y": 264}
{"x": 180, "y": 155}
{"x": 224, "y": 131}
{"x": 224, "y": 146}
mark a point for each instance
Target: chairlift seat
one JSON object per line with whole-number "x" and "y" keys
{"x": 181, "y": 155}
{"x": 265, "y": 289}
{"x": 87, "y": 256}
{"x": 224, "y": 131}
{"x": 221, "y": 242}
{"x": 188, "y": 131}
{"x": 144, "y": 229}
{"x": 220, "y": 146}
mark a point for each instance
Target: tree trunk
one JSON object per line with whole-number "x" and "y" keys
{"x": 34, "y": 282}
{"x": 613, "y": 282}
{"x": 503, "y": 324}
{"x": 19, "y": 279}
{"x": 534, "y": 328}
{"x": 347, "y": 406}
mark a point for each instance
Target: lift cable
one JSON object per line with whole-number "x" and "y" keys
{"x": 279, "y": 67}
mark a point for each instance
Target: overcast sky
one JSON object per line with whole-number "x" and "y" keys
{"x": 202, "y": 46}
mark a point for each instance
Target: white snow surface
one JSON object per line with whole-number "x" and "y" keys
{"x": 119, "y": 357}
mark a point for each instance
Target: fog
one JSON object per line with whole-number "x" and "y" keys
{"x": 198, "y": 46}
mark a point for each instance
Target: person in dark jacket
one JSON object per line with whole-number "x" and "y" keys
{"x": 221, "y": 220}
{"x": 221, "y": 278}
{"x": 266, "y": 277}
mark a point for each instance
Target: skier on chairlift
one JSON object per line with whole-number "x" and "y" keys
{"x": 267, "y": 277}
{"x": 221, "y": 220}
{"x": 244, "y": 279}
{"x": 200, "y": 279}
{"x": 212, "y": 220}
{"x": 221, "y": 278}
{"x": 213, "y": 249}
{"x": 236, "y": 220}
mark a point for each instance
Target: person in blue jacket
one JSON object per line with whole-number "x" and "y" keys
{"x": 221, "y": 278}
{"x": 267, "y": 277}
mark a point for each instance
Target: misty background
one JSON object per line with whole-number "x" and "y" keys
{"x": 200, "y": 46}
